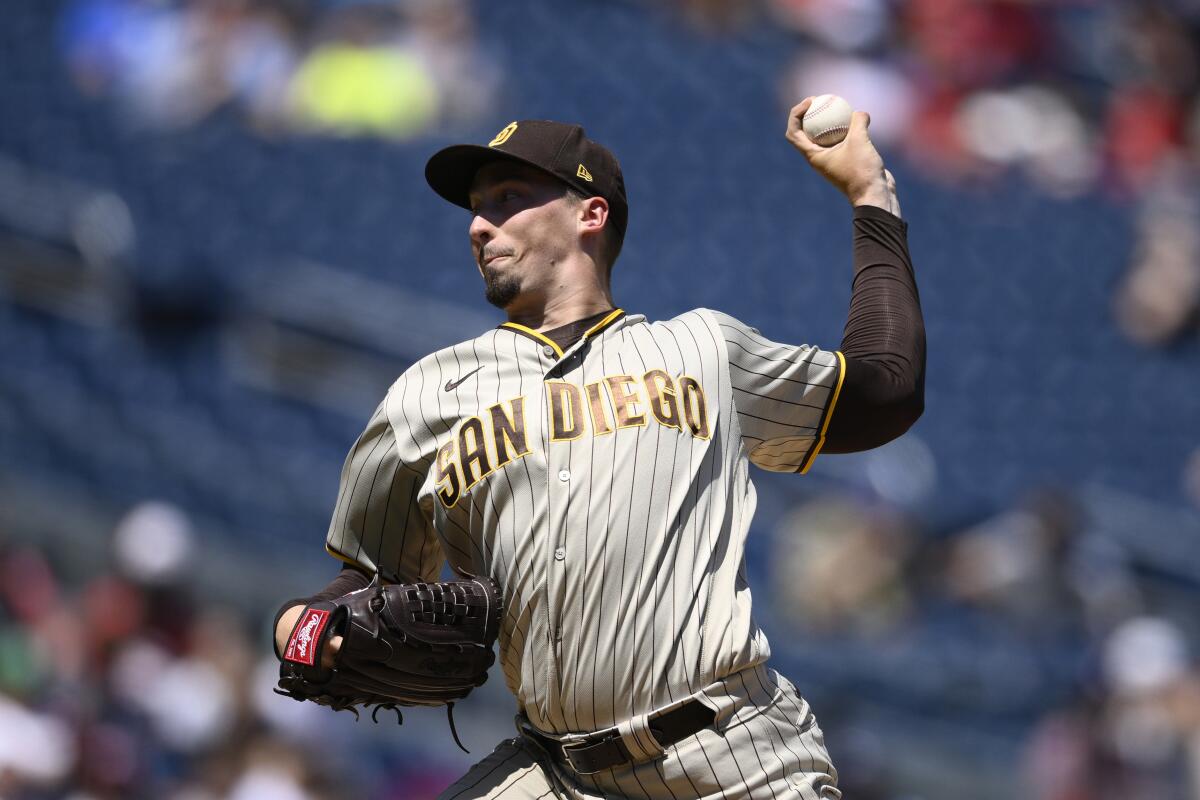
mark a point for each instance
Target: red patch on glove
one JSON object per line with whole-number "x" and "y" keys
{"x": 302, "y": 646}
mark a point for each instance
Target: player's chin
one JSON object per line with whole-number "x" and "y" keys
{"x": 499, "y": 289}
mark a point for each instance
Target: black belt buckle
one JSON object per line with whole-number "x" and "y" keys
{"x": 568, "y": 751}
{"x": 605, "y": 744}
{"x": 552, "y": 747}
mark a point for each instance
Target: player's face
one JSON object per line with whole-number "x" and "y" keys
{"x": 522, "y": 228}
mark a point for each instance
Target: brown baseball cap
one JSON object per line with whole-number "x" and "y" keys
{"x": 562, "y": 150}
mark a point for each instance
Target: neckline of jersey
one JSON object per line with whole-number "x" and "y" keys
{"x": 517, "y": 327}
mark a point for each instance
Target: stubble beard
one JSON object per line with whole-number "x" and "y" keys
{"x": 500, "y": 290}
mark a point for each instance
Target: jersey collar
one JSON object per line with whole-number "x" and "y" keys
{"x": 607, "y": 322}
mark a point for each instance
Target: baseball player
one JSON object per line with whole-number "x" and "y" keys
{"x": 595, "y": 465}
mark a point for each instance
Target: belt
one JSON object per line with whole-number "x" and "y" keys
{"x": 604, "y": 750}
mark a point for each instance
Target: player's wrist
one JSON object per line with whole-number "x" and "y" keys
{"x": 875, "y": 193}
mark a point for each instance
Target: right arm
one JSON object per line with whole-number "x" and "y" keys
{"x": 796, "y": 401}
{"x": 883, "y": 388}
{"x": 883, "y": 392}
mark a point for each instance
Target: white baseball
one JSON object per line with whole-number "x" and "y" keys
{"x": 827, "y": 120}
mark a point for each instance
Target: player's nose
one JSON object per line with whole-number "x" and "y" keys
{"x": 481, "y": 231}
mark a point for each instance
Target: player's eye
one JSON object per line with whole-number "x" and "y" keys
{"x": 500, "y": 196}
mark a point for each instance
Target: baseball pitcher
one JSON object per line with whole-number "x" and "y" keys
{"x": 586, "y": 473}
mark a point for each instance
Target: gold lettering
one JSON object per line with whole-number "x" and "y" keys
{"x": 566, "y": 421}
{"x": 509, "y": 428}
{"x": 625, "y": 402}
{"x": 447, "y": 473}
{"x": 695, "y": 407}
{"x": 663, "y": 402}
{"x": 474, "y": 453}
{"x": 600, "y": 424}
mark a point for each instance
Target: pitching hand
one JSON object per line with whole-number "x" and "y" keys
{"x": 853, "y": 165}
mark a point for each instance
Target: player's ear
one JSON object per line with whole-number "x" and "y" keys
{"x": 593, "y": 213}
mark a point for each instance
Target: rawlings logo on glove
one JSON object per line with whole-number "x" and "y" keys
{"x": 412, "y": 644}
{"x": 308, "y": 629}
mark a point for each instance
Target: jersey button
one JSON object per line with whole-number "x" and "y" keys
{"x": 548, "y": 350}
{"x": 560, "y": 554}
{"x": 564, "y": 475}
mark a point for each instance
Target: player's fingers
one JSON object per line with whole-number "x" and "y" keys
{"x": 805, "y": 145}
{"x": 797, "y": 112}
{"x": 859, "y": 122}
{"x": 329, "y": 656}
{"x": 796, "y": 115}
{"x": 795, "y": 129}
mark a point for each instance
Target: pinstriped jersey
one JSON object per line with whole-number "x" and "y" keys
{"x": 605, "y": 487}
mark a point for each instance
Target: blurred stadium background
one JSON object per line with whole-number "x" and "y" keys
{"x": 217, "y": 250}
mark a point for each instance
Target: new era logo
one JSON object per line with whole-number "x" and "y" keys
{"x": 503, "y": 135}
{"x": 302, "y": 646}
{"x": 583, "y": 173}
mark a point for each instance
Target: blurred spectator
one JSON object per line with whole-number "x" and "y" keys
{"x": 843, "y": 25}
{"x": 442, "y": 35}
{"x": 36, "y": 749}
{"x": 838, "y": 568}
{"x": 271, "y": 772}
{"x": 389, "y": 69}
{"x": 360, "y": 80}
{"x": 261, "y": 58}
{"x": 1017, "y": 564}
{"x": 1158, "y": 299}
{"x": 1033, "y": 128}
{"x": 162, "y": 63}
{"x": 153, "y": 543}
{"x": 969, "y": 43}
{"x": 1139, "y": 738}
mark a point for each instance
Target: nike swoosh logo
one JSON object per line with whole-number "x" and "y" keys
{"x": 452, "y": 385}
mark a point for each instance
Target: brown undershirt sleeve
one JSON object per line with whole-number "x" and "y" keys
{"x": 883, "y": 391}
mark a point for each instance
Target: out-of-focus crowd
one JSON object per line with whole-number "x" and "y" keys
{"x": 392, "y": 69}
{"x": 1074, "y": 97}
{"x": 120, "y": 683}
{"x": 120, "y": 679}
{"x": 1034, "y": 589}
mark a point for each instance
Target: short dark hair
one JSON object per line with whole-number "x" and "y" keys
{"x": 611, "y": 237}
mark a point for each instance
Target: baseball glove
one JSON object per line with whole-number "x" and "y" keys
{"x": 408, "y": 644}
